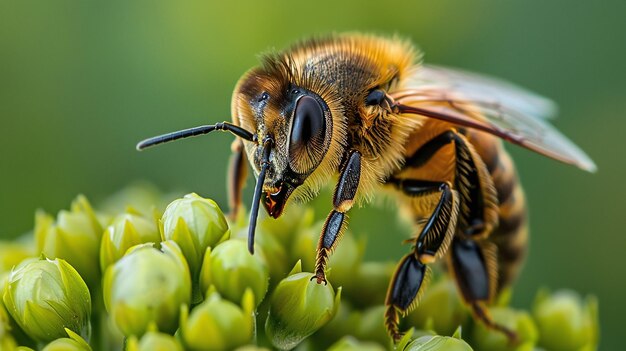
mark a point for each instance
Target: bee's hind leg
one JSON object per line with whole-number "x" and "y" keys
{"x": 431, "y": 243}
{"x": 343, "y": 199}
{"x": 474, "y": 267}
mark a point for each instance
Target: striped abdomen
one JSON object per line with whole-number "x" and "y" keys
{"x": 511, "y": 234}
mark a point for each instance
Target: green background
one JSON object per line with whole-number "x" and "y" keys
{"x": 81, "y": 82}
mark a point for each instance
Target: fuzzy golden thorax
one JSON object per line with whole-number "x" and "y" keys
{"x": 338, "y": 73}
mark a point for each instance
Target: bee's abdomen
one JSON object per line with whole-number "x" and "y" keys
{"x": 511, "y": 234}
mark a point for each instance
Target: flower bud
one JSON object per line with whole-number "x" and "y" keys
{"x": 299, "y": 307}
{"x": 153, "y": 341}
{"x": 127, "y": 230}
{"x": 73, "y": 343}
{"x": 272, "y": 252}
{"x": 194, "y": 223}
{"x": 349, "y": 343}
{"x": 45, "y": 296}
{"x": 440, "y": 309}
{"x": 232, "y": 269}
{"x": 75, "y": 237}
{"x": 218, "y": 324}
{"x": 494, "y": 340}
{"x": 438, "y": 343}
{"x": 147, "y": 286}
{"x": 565, "y": 321}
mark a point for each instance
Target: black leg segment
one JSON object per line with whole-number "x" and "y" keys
{"x": 348, "y": 182}
{"x": 470, "y": 270}
{"x": 332, "y": 228}
{"x": 404, "y": 290}
{"x": 406, "y": 282}
{"x": 436, "y": 234}
{"x": 343, "y": 199}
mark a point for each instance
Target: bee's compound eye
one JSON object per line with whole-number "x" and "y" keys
{"x": 308, "y": 130}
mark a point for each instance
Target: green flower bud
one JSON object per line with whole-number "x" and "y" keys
{"x": 494, "y": 340}
{"x": 565, "y": 321}
{"x": 46, "y": 296}
{"x": 271, "y": 251}
{"x": 12, "y": 253}
{"x": 232, "y": 270}
{"x": 153, "y": 341}
{"x": 127, "y": 230}
{"x": 440, "y": 309}
{"x": 194, "y": 223}
{"x": 75, "y": 237}
{"x": 438, "y": 343}
{"x": 218, "y": 324}
{"x": 299, "y": 307}
{"x": 73, "y": 343}
{"x": 343, "y": 262}
{"x": 147, "y": 286}
{"x": 349, "y": 343}
{"x": 10, "y": 332}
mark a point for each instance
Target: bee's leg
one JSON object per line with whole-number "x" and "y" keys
{"x": 404, "y": 292}
{"x": 431, "y": 243}
{"x": 237, "y": 173}
{"x": 343, "y": 199}
{"x": 474, "y": 267}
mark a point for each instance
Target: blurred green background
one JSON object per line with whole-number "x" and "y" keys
{"x": 81, "y": 82}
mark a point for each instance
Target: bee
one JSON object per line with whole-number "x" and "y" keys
{"x": 366, "y": 109}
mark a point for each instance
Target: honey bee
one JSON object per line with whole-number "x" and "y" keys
{"x": 367, "y": 109}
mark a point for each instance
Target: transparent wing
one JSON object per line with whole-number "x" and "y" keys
{"x": 485, "y": 88}
{"x": 490, "y": 105}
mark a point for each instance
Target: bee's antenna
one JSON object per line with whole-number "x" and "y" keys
{"x": 185, "y": 133}
{"x": 258, "y": 189}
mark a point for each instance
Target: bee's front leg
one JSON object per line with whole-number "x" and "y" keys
{"x": 343, "y": 199}
{"x": 431, "y": 243}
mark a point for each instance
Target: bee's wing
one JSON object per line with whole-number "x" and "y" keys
{"x": 490, "y": 105}
{"x": 485, "y": 88}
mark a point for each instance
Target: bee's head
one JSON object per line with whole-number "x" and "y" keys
{"x": 299, "y": 123}
{"x": 293, "y": 130}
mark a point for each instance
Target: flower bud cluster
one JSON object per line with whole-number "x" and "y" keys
{"x": 139, "y": 279}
